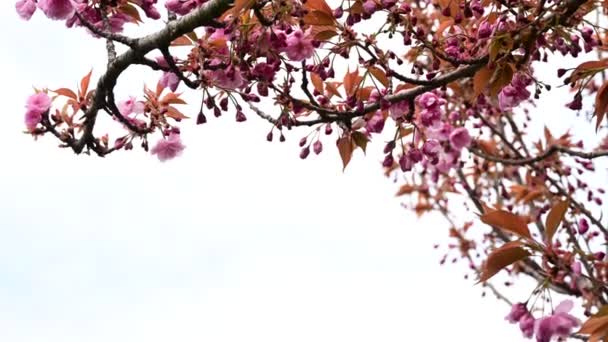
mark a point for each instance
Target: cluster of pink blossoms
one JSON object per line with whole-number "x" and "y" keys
{"x": 66, "y": 10}
{"x": 183, "y": 7}
{"x": 169, "y": 147}
{"x": 514, "y": 93}
{"x": 558, "y": 324}
{"x": 36, "y": 105}
{"x": 441, "y": 141}
{"x": 54, "y": 9}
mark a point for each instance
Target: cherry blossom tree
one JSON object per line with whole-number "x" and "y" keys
{"x": 451, "y": 83}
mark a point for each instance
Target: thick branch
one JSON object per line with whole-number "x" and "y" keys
{"x": 200, "y": 17}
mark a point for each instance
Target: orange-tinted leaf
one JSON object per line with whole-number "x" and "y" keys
{"x": 363, "y": 93}
{"x": 331, "y": 88}
{"x": 405, "y": 131}
{"x": 502, "y": 76}
{"x": 507, "y": 221}
{"x": 360, "y": 140}
{"x": 445, "y": 23}
{"x": 317, "y": 82}
{"x": 181, "y": 41}
{"x": 171, "y": 98}
{"x": 586, "y": 68}
{"x": 502, "y": 257}
{"x": 554, "y": 218}
{"x": 192, "y": 36}
{"x": 405, "y": 189}
{"x": 601, "y": 104}
{"x": 319, "y": 5}
{"x": 66, "y": 92}
{"x": 351, "y": 81}
{"x": 481, "y": 80}
{"x": 488, "y": 146}
{"x": 172, "y": 112}
{"x": 379, "y": 75}
{"x": 131, "y": 11}
{"x": 499, "y": 44}
{"x": 316, "y": 18}
{"x": 325, "y": 35}
{"x": 532, "y": 195}
{"x": 594, "y": 325}
{"x": 84, "y": 84}
{"x": 345, "y": 147}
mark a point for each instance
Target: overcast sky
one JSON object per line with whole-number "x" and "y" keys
{"x": 238, "y": 240}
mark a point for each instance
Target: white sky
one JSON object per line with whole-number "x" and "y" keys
{"x": 238, "y": 240}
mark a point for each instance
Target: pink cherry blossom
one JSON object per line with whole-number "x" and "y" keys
{"x": 439, "y": 130}
{"x": 507, "y": 98}
{"x": 25, "y": 8}
{"x": 299, "y": 45}
{"x": 149, "y": 8}
{"x": 560, "y": 324}
{"x": 431, "y": 148}
{"x": 38, "y": 103}
{"x": 183, "y": 7}
{"x": 399, "y": 109}
{"x": 445, "y": 161}
{"x": 32, "y": 119}
{"x": 57, "y": 9}
{"x": 130, "y": 106}
{"x": 169, "y": 80}
{"x": 376, "y": 123}
{"x": 526, "y": 325}
{"x": 428, "y": 117}
{"x": 230, "y": 77}
{"x": 460, "y": 138}
{"x": 430, "y": 101}
{"x": 168, "y": 148}
{"x": 513, "y": 94}
{"x": 518, "y": 310}
{"x": 35, "y": 106}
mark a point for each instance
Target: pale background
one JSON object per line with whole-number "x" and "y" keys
{"x": 238, "y": 240}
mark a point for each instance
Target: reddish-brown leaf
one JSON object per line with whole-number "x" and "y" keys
{"x": 351, "y": 81}
{"x": 594, "y": 325}
{"x": 181, "y": 41}
{"x": 601, "y": 104}
{"x": 507, "y": 221}
{"x": 481, "y": 80}
{"x": 84, "y": 84}
{"x": 192, "y": 35}
{"x": 332, "y": 88}
{"x": 587, "y": 68}
{"x": 444, "y": 24}
{"x": 131, "y": 11}
{"x": 345, "y": 147}
{"x": 172, "y": 112}
{"x": 500, "y": 78}
{"x": 360, "y": 140}
{"x": 325, "y": 35}
{"x": 379, "y": 75}
{"x": 502, "y": 257}
{"x": 532, "y": 196}
{"x": 171, "y": 98}
{"x": 405, "y": 189}
{"x": 554, "y": 218}
{"x": 317, "y": 82}
{"x": 317, "y": 18}
{"x": 319, "y": 5}
{"x": 66, "y": 92}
